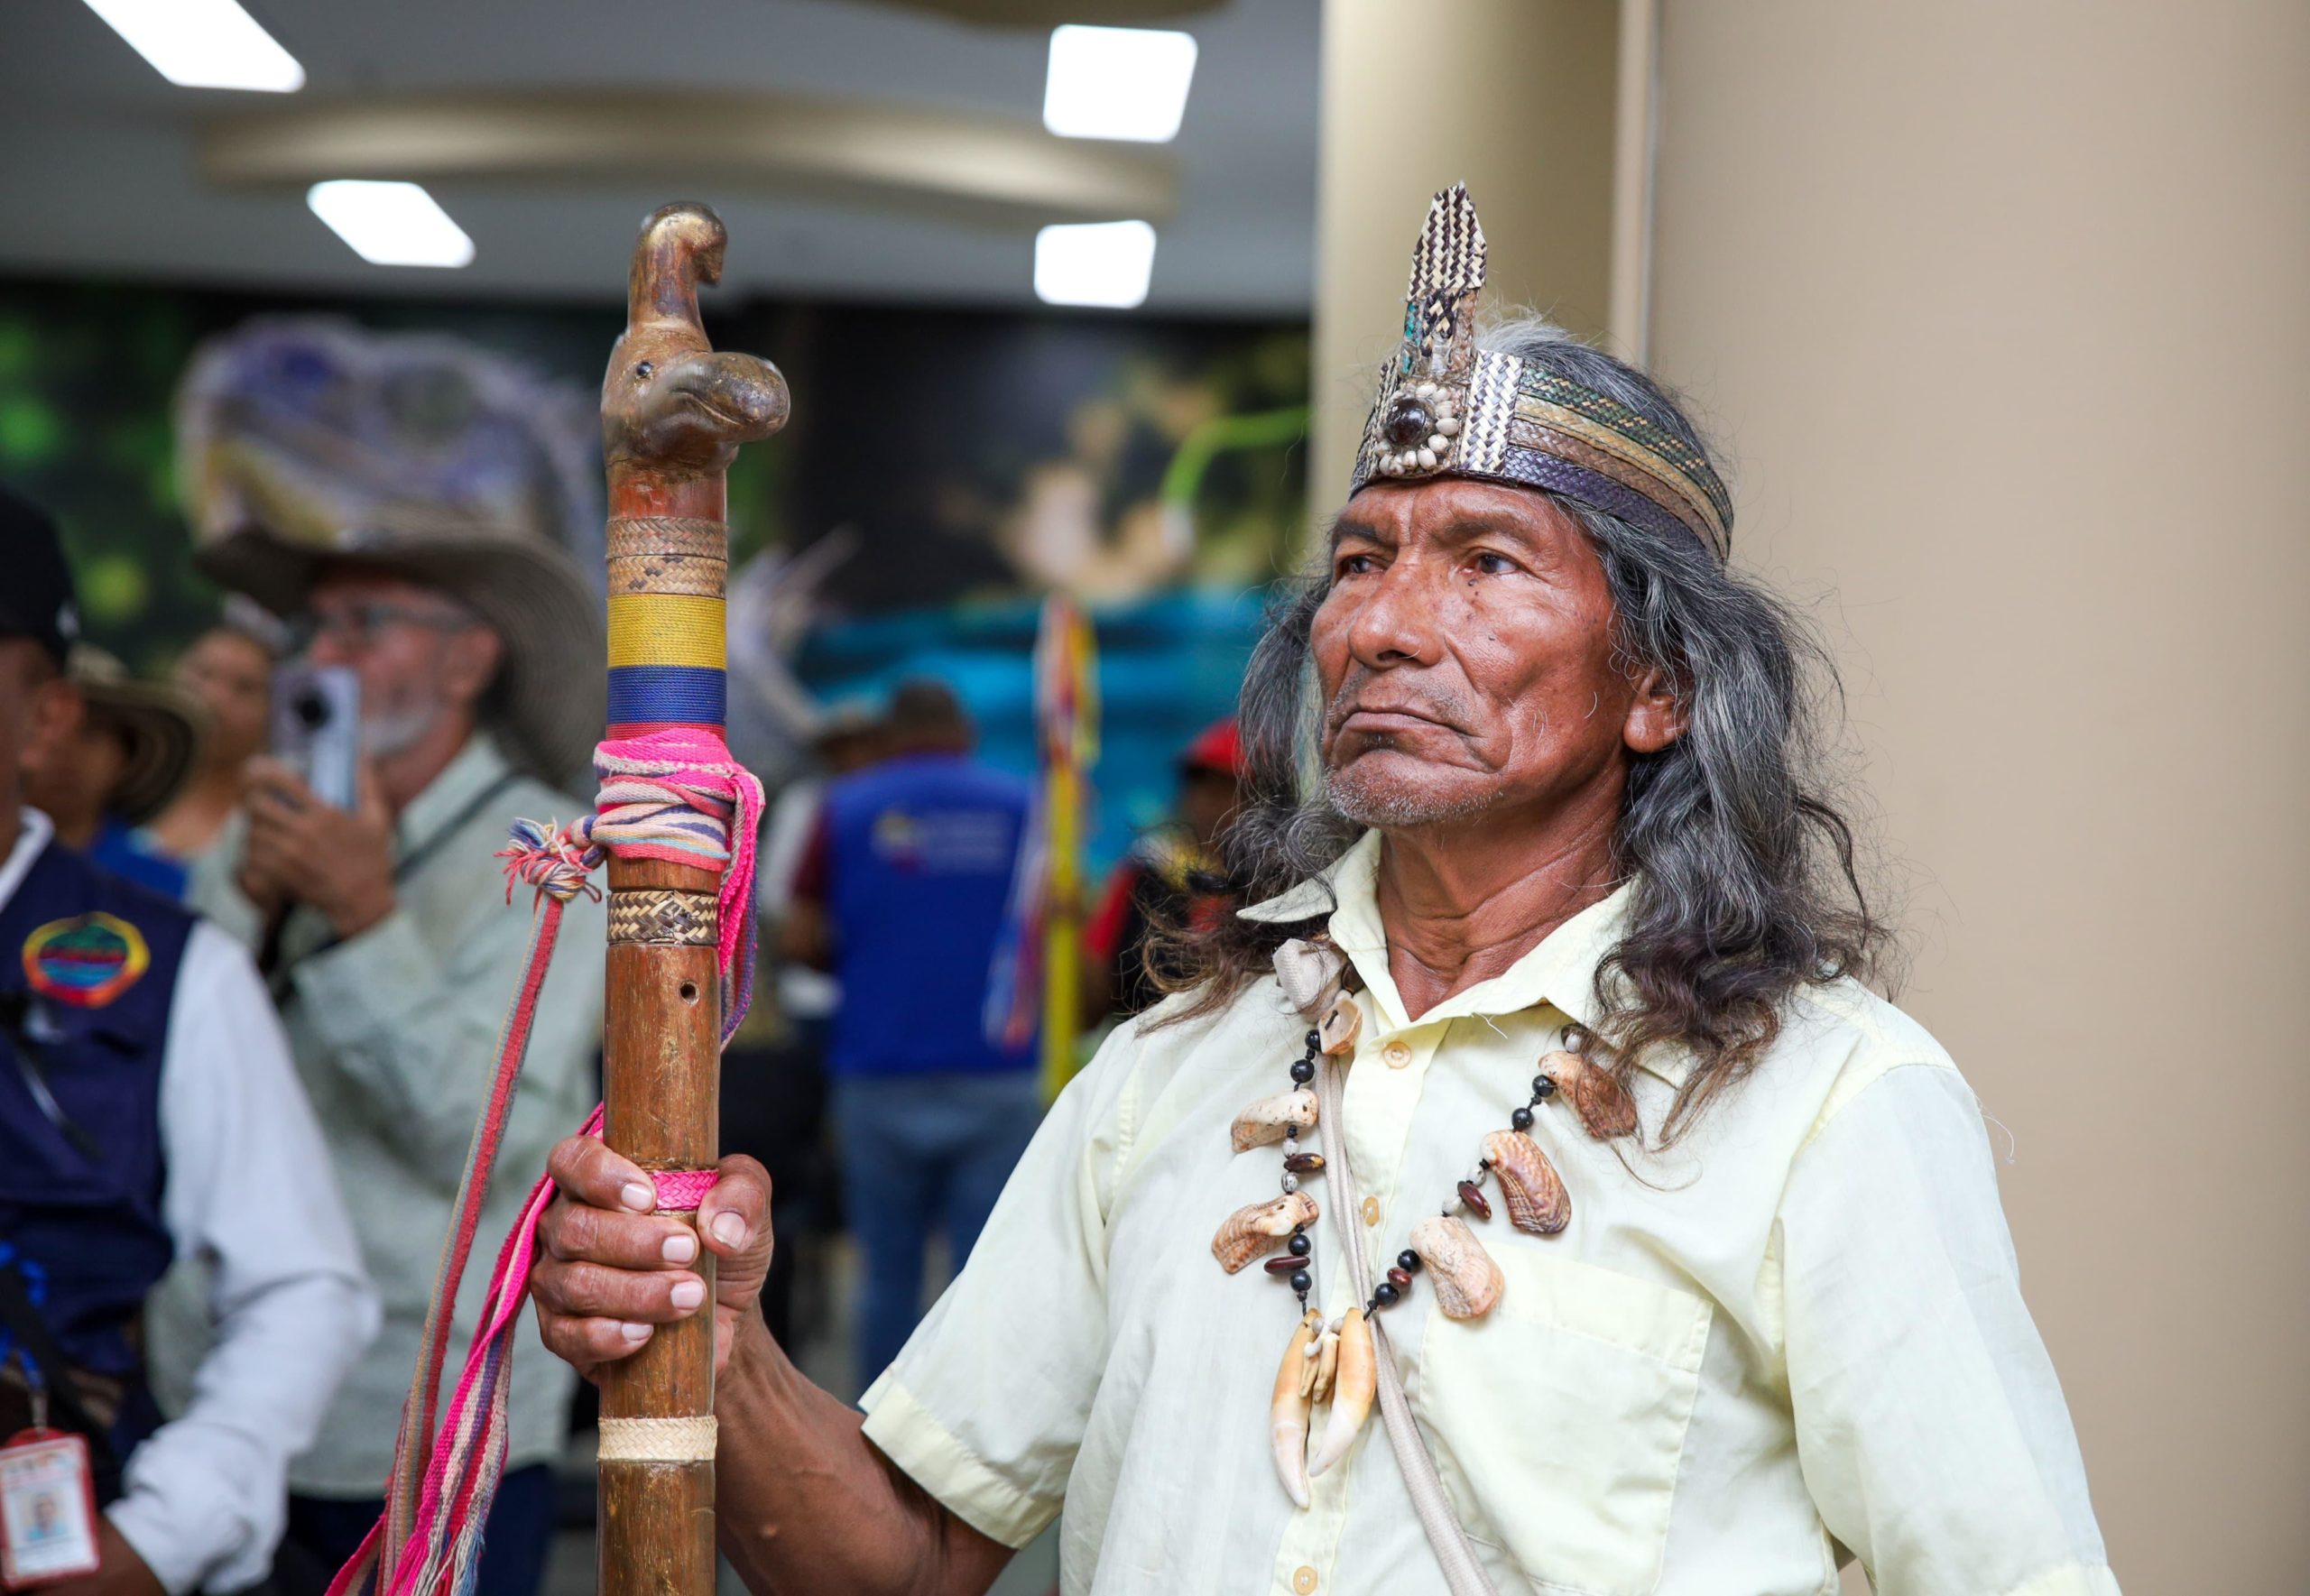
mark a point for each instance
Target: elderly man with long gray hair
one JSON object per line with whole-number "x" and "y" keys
{"x": 1532, "y": 1095}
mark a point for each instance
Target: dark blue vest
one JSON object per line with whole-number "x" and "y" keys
{"x": 87, "y": 969}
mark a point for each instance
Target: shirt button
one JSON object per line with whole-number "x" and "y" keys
{"x": 1371, "y": 1211}
{"x": 1304, "y": 1581}
{"x": 1396, "y": 1054}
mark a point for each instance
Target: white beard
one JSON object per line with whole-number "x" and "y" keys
{"x": 1385, "y": 806}
{"x": 385, "y": 732}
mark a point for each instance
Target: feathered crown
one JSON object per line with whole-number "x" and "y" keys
{"x": 1447, "y": 409}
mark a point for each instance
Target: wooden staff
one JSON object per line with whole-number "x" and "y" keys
{"x": 673, "y": 414}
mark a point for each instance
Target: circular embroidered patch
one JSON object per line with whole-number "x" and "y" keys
{"x": 86, "y": 961}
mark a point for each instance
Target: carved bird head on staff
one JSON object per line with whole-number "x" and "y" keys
{"x": 669, "y": 400}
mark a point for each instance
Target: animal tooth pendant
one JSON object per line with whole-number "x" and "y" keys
{"x": 1604, "y": 1107}
{"x": 1305, "y": 970}
{"x": 1319, "y": 1368}
{"x": 1270, "y": 1118}
{"x": 1340, "y": 1027}
{"x": 1354, "y": 1382}
{"x": 1536, "y": 1201}
{"x": 1257, "y": 1228}
{"x": 1289, "y": 1408}
{"x": 1465, "y": 1280}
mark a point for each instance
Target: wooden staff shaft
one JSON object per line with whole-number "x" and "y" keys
{"x": 660, "y": 1089}
{"x": 673, "y": 414}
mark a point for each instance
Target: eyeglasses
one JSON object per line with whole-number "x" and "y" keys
{"x": 358, "y": 624}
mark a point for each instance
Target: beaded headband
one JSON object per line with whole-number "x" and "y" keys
{"x": 1447, "y": 409}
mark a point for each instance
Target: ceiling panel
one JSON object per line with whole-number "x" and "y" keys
{"x": 99, "y": 171}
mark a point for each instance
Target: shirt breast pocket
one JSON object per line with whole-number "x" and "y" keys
{"x": 1558, "y": 1418}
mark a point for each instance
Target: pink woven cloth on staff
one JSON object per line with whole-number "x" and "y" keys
{"x": 675, "y": 795}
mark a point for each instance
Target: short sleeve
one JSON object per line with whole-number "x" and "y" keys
{"x": 1931, "y": 1429}
{"x": 987, "y": 1405}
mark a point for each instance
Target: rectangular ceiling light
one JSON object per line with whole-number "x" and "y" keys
{"x": 1118, "y": 83}
{"x": 1107, "y": 263}
{"x": 390, "y": 224}
{"x": 203, "y": 43}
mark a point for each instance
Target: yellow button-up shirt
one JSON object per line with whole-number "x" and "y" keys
{"x": 1800, "y": 1328}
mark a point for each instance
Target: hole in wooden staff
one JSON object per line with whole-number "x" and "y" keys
{"x": 689, "y": 992}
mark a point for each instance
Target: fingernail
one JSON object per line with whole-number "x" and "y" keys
{"x": 635, "y": 1331}
{"x": 729, "y": 1230}
{"x": 637, "y": 1196}
{"x": 689, "y": 1294}
{"x": 680, "y": 1248}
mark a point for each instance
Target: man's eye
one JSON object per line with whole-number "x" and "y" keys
{"x": 1493, "y": 565}
{"x": 1357, "y": 565}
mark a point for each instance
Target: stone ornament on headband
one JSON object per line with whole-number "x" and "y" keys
{"x": 1447, "y": 409}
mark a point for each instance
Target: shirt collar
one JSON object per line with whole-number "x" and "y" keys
{"x": 1561, "y": 972}
{"x": 34, "y": 835}
{"x": 476, "y": 767}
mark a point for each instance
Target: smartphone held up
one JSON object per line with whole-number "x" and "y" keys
{"x": 317, "y": 728}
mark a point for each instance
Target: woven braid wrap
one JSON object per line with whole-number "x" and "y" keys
{"x": 657, "y": 1440}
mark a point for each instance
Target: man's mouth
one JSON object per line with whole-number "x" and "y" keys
{"x": 1376, "y": 723}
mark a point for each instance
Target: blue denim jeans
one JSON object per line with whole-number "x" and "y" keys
{"x": 919, "y": 1151}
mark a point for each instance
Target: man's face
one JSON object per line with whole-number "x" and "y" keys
{"x": 1465, "y": 653}
{"x": 73, "y": 770}
{"x": 37, "y": 711}
{"x": 232, "y": 674}
{"x": 418, "y": 653}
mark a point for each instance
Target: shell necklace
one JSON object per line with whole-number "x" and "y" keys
{"x": 1333, "y": 1361}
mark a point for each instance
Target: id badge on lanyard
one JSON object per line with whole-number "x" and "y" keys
{"x": 48, "y": 1505}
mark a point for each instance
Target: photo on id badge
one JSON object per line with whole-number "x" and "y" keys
{"x": 48, "y": 1511}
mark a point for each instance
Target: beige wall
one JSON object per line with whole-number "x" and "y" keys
{"x": 2002, "y": 308}
{"x": 1514, "y": 98}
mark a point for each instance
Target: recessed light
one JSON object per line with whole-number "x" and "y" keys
{"x": 390, "y": 224}
{"x": 1107, "y": 263}
{"x": 1118, "y": 83}
{"x": 203, "y": 43}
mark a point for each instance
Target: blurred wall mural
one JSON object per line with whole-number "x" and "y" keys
{"x": 944, "y": 472}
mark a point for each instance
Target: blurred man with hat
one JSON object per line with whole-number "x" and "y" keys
{"x": 148, "y": 1110}
{"x": 478, "y": 649}
{"x": 128, "y": 751}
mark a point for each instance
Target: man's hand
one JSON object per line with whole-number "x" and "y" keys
{"x": 302, "y": 849}
{"x": 121, "y": 1572}
{"x": 608, "y": 1270}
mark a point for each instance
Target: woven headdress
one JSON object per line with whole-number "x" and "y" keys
{"x": 1447, "y": 409}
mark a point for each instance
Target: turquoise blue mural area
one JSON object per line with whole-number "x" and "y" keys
{"x": 1168, "y": 667}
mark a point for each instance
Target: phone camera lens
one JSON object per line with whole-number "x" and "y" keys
{"x": 312, "y": 709}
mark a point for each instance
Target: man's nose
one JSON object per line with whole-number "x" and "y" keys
{"x": 1396, "y": 623}
{"x": 329, "y": 647}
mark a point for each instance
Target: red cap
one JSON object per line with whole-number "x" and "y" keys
{"x": 1217, "y": 747}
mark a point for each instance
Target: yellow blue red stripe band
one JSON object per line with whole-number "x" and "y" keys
{"x": 677, "y": 629}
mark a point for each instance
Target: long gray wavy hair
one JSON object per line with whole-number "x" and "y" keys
{"x": 1743, "y": 880}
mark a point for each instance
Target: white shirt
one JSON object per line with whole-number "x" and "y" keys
{"x": 250, "y": 1192}
{"x": 1799, "y": 1329}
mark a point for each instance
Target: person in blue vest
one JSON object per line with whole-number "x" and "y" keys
{"x": 902, "y": 895}
{"x": 148, "y": 1111}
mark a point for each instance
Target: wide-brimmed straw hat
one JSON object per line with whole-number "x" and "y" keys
{"x": 162, "y": 727}
{"x": 547, "y": 703}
